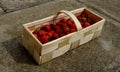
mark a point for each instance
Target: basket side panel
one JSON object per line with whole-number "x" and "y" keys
{"x": 46, "y": 57}
{"x": 60, "y": 51}
{"x": 49, "y": 48}
{"x": 75, "y": 44}
{"x": 31, "y": 45}
{"x": 98, "y": 30}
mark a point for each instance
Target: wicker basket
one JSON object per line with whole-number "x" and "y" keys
{"x": 45, "y": 52}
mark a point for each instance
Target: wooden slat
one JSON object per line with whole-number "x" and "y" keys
{"x": 86, "y": 39}
{"x": 46, "y": 57}
{"x": 87, "y": 33}
{"x": 60, "y": 51}
{"x": 96, "y": 34}
{"x": 31, "y": 42}
{"x": 64, "y": 42}
{"x": 36, "y": 56}
{"x": 75, "y": 44}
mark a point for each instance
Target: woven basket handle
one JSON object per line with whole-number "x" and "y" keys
{"x": 72, "y": 16}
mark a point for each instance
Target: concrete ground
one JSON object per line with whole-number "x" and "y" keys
{"x": 99, "y": 55}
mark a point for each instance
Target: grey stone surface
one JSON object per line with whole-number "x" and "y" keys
{"x": 1, "y": 11}
{"x": 99, "y": 55}
{"x": 11, "y": 5}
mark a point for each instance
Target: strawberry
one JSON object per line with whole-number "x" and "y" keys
{"x": 73, "y": 26}
{"x": 41, "y": 32}
{"x": 61, "y": 24}
{"x": 87, "y": 24}
{"x": 72, "y": 30}
{"x": 66, "y": 29}
{"x": 61, "y": 34}
{"x": 79, "y": 17}
{"x": 44, "y": 39}
{"x": 39, "y": 38}
{"x": 68, "y": 33}
{"x": 63, "y": 20}
{"x": 82, "y": 23}
{"x": 47, "y": 27}
{"x": 52, "y": 26}
{"x": 35, "y": 35}
{"x": 70, "y": 22}
{"x": 55, "y": 35}
{"x": 58, "y": 30}
{"x": 52, "y": 31}
{"x": 57, "y": 27}
{"x": 50, "y": 34}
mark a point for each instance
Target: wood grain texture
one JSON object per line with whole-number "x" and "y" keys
{"x": 46, "y": 57}
{"x": 75, "y": 44}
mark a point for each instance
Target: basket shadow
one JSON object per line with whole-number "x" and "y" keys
{"x": 18, "y": 52}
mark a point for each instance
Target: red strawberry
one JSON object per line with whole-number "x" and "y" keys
{"x": 82, "y": 23}
{"x": 72, "y": 30}
{"x": 39, "y": 38}
{"x": 55, "y": 35}
{"x": 57, "y": 27}
{"x": 66, "y": 29}
{"x": 68, "y": 32}
{"x": 79, "y": 17}
{"x": 44, "y": 39}
{"x": 61, "y": 34}
{"x": 52, "y": 31}
{"x": 87, "y": 24}
{"x": 58, "y": 30}
{"x": 50, "y": 34}
{"x": 63, "y": 20}
{"x": 52, "y": 26}
{"x": 47, "y": 27}
{"x": 42, "y": 32}
{"x": 35, "y": 35}
{"x": 70, "y": 22}
{"x": 62, "y": 23}
{"x": 73, "y": 26}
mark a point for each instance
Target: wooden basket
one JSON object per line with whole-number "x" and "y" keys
{"x": 45, "y": 52}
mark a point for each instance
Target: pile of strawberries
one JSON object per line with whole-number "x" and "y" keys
{"x": 85, "y": 20}
{"x": 51, "y": 32}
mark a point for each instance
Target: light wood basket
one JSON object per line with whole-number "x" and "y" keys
{"x": 45, "y": 52}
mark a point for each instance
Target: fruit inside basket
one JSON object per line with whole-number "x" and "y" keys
{"x": 64, "y": 26}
